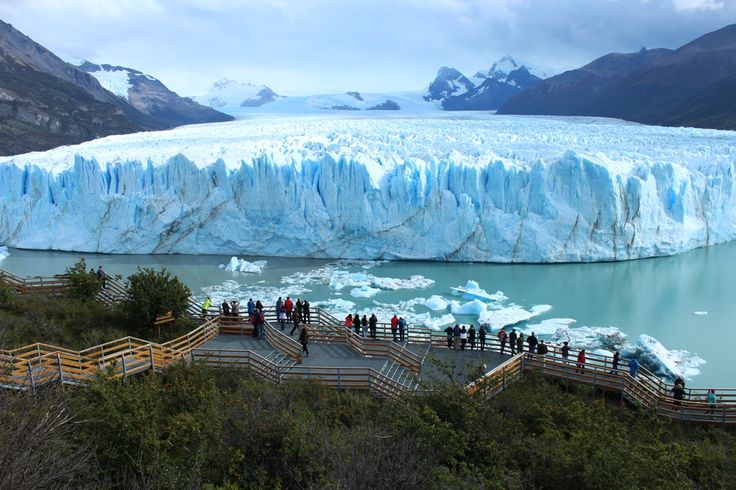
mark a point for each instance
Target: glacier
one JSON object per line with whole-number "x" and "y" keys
{"x": 453, "y": 187}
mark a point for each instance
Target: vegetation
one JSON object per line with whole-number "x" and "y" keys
{"x": 192, "y": 427}
{"x": 83, "y": 284}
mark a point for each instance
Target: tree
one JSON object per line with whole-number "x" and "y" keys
{"x": 152, "y": 293}
{"x": 83, "y": 284}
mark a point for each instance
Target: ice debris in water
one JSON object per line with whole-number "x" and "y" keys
{"x": 701, "y": 313}
{"x": 511, "y": 315}
{"x": 4, "y": 252}
{"x": 436, "y": 303}
{"x": 662, "y": 361}
{"x": 475, "y": 307}
{"x": 472, "y": 290}
{"x": 364, "y": 292}
{"x": 242, "y": 265}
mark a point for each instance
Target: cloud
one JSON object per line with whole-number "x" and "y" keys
{"x": 311, "y": 46}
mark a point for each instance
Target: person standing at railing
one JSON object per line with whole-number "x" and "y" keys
{"x": 251, "y": 309}
{"x": 282, "y": 319}
{"x": 300, "y": 309}
{"x": 678, "y": 393}
{"x": 581, "y": 361}
{"x": 235, "y": 308}
{"x": 502, "y": 337}
{"x": 225, "y": 308}
{"x": 633, "y": 367}
{"x": 712, "y": 401}
{"x": 304, "y": 339}
{"x": 402, "y": 329}
{"x": 364, "y": 326}
{"x": 532, "y": 342}
{"x": 288, "y": 305}
{"x": 372, "y": 325}
{"x": 448, "y": 331}
{"x": 307, "y": 314}
{"x": 471, "y": 336}
{"x": 565, "y": 351}
{"x": 102, "y": 276}
{"x": 349, "y": 321}
{"x": 356, "y": 324}
{"x": 482, "y": 337}
{"x": 463, "y": 338}
{"x": 520, "y": 343}
{"x": 542, "y": 348}
{"x": 206, "y": 305}
{"x": 456, "y": 337}
{"x": 614, "y": 363}
{"x": 279, "y": 306}
{"x": 395, "y": 327}
{"x": 512, "y": 341}
{"x": 260, "y": 323}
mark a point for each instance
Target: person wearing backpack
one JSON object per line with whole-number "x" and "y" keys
{"x": 503, "y": 336}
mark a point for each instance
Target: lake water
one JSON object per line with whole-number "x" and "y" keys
{"x": 684, "y": 301}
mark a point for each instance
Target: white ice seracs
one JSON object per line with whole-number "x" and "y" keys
{"x": 445, "y": 187}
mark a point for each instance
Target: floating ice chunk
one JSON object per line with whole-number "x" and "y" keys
{"x": 550, "y": 326}
{"x": 336, "y": 307}
{"x": 435, "y": 323}
{"x": 242, "y": 265}
{"x": 663, "y": 362}
{"x": 602, "y": 352}
{"x": 701, "y": 313}
{"x": 389, "y": 283}
{"x": 4, "y": 252}
{"x": 436, "y": 303}
{"x": 510, "y": 316}
{"x": 610, "y": 338}
{"x": 474, "y": 307}
{"x": 364, "y": 292}
{"x": 472, "y": 290}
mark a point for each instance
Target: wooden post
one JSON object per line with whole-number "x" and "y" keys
{"x": 61, "y": 370}
{"x": 125, "y": 369}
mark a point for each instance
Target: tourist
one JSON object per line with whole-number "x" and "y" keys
{"x": 512, "y": 341}
{"x": 712, "y": 400}
{"x": 532, "y": 342}
{"x": 356, "y": 324}
{"x": 482, "y": 337}
{"x": 678, "y": 393}
{"x": 260, "y": 323}
{"x": 402, "y": 329}
{"x": 251, "y": 309}
{"x": 259, "y": 305}
{"x": 456, "y": 337}
{"x": 225, "y": 308}
{"x": 102, "y": 276}
{"x": 679, "y": 380}
{"x": 581, "y": 360}
{"x": 288, "y": 305}
{"x": 542, "y": 349}
{"x": 304, "y": 338}
{"x": 282, "y": 319}
{"x": 463, "y": 338}
{"x": 633, "y": 367}
{"x": 300, "y": 309}
{"x": 471, "y": 336}
{"x": 235, "y": 308}
{"x": 448, "y": 331}
{"x": 565, "y": 351}
{"x": 395, "y": 327}
{"x": 520, "y": 343}
{"x": 295, "y": 319}
{"x": 206, "y": 307}
{"x": 372, "y": 325}
{"x": 349, "y": 321}
{"x": 307, "y": 313}
{"x": 614, "y": 363}
{"x": 502, "y": 337}
{"x": 364, "y": 326}
{"x": 279, "y": 305}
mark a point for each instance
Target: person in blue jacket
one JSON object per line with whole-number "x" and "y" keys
{"x": 633, "y": 367}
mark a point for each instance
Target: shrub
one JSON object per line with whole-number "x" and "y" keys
{"x": 83, "y": 284}
{"x": 153, "y": 293}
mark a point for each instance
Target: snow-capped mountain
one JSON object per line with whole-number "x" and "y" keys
{"x": 442, "y": 187}
{"x": 486, "y": 90}
{"x": 230, "y": 96}
{"x": 150, "y": 96}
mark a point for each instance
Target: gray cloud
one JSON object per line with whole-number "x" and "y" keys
{"x": 309, "y": 46}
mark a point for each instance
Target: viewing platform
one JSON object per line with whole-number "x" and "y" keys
{"x": 340, "y": 358}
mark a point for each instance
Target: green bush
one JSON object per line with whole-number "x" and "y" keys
{"x": 153, "y": 293}
{"x": 83, "y": 284}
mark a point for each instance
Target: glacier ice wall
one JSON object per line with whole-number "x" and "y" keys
{"x": 474, "y": 189}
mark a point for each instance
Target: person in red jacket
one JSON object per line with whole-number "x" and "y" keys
{"x": 503, "y": 336}
{"x": 395, "y": 327}
{"x": 288, "y": 305}
{"x": 581, "y": 360}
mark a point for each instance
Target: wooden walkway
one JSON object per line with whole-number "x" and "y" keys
{"x": 338, "y": 357}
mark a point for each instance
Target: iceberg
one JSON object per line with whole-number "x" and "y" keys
{"x": 438, "y": 187}
{"x": 364, "y": 292}
{"x": 474, "y": 307}
{"x": 663, "y": 362}
{"x": 435, "y": 303}
{"x": 504, "y": 317}
{"x": 242, "y": 265}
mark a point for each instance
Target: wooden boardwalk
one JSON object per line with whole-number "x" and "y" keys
{"x": 339, "y": 358}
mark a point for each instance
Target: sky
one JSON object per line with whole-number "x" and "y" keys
{"x": 300, "y": 47}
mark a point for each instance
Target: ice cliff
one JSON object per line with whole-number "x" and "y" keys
{"x": 461, "y": 188}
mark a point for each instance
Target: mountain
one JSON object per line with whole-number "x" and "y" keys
{"x": 486, "y": 90}
{"x": 230, "y": 95}
{"x": 490, "y": 189}
{"x": 151, "y": 97}
{"x": 690, "y": 86}
{"x": 45, "y": 102}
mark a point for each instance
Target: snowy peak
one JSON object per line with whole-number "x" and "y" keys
{"x": 151, "y": 97}
{"x": 228, "y": 95}
{"x": 487, "y": 90}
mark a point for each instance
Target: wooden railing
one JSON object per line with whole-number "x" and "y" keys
{"x": 38, "y": 284}
{"x": 341, "y": 378}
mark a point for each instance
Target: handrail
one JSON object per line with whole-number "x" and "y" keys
{"x": 283, "y": 343}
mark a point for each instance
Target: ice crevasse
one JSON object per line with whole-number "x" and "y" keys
{"x": 500, "y": 189}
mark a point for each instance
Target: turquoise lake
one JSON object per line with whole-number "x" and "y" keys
{"x": 683, "y": 301}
